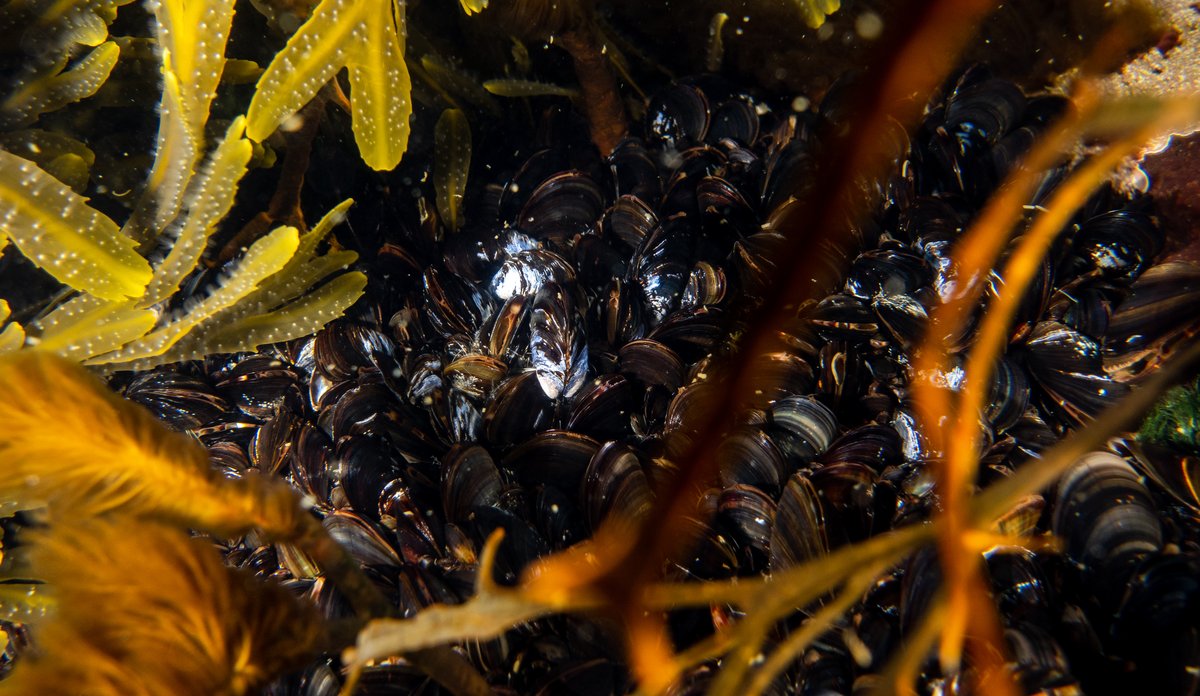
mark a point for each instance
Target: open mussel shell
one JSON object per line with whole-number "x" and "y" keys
{"x": 798, "y": 532}
{"x": 1108, "y": 521}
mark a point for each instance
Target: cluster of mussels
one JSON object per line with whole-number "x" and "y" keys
{"x": 538, "y": 371}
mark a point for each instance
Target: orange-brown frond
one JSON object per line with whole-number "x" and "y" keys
{"x": 143, "y": 609}
{"x": 67, "y": 442}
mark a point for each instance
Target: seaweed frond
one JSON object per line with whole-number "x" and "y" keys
{"x": 815, "y": 11}
{"x": 117, "y": 458}
{"x": 12, "y": 336}
{"x": 50, "y": 28}
{"x": 367, "y": 38}
{"x": 62, "y": 156}
{"x": 451, "y": 164}
{"x": 140, "y": 608}
{"x": 57, "y": 85}
{"x": 1175, "y": 420}
{"x": 56, "y": 229}
{"x": 191, "y": 38}
{"x": 211, "y": 198}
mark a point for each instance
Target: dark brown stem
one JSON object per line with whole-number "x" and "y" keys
{"x": 601, "y": 99}
{"x": 284, "y": 207}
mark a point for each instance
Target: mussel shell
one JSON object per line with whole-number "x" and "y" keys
{"x": 749, "y": 456}
{"x": 615, "y": 484}
{"x": 564, "y": 205}
{"x": 652, "y": 363}
{"x": 1067, "y": 366}
{"x": 552, "y": 457}
{"x": 802, "y": 426}
{"x": 181, "y": 401}
{"x": 518, "y": 409}
{"x": 558, "y": 342}
{"x": 678, "y": 116}
{"x": 470, "y": 480}
{"x": 1108, "y": 521}
{"x": 750, "y": 515}
{"x": 798, "y": 532}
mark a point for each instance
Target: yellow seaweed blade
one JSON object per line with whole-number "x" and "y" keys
{"x": 193, "y": 36}
{"x": 53, "y": 89}
{"x": 64, "y": 157}
{"x": 211, "y": 197}
{"x": 24, "y": 603}
{"x": 86, "y": 326}
{"x": 176, "y": 152}
{"x": 365, "y": 36}
{"x": 144, "y": 609}
{"x": 381, "y": 88}
{"x": 528, "y": 88}
{"x": 118, "y": 458}
{"x": 312, "y": 238}
{"x": 311, "y": 57}
{"x": 291, "y": 282}
{"x": 13, "y": 335}
{"x": 294, "y": 320}
{"x": 265, "y": 257}
{"x": 451, "y": 164}
{"x": 815, "y": 11}
{"x": 58, "y": 231}
{"x": 473, "y": 6}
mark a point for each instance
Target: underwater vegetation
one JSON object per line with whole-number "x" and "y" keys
{"x": 640, "y": 382}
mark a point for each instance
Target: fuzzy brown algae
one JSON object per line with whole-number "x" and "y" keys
{"x": 554, "y": 280}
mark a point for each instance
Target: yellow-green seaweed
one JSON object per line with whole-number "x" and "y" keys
{"x": 451, "y": 163}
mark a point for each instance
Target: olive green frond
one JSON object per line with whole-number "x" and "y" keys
{"x": 1175, "y": 420}
{"x": 62, "y": 156}
{"x": 209, "y": 199}
{"x": 264, "y": 258}
{"x": 451, "y": 163}
{"x": 71, "y": 445}
{"x": 815, "y": 11}
{"x": 56, "y": 86}
{"x": 56, "y": 229}
{"x": 364, "y": 36}
{"x": 141, "y": 608}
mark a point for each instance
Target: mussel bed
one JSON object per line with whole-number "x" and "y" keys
{"x": 539, "y": 369}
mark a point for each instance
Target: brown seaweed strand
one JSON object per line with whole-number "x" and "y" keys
{"x": 601, "y": 99}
